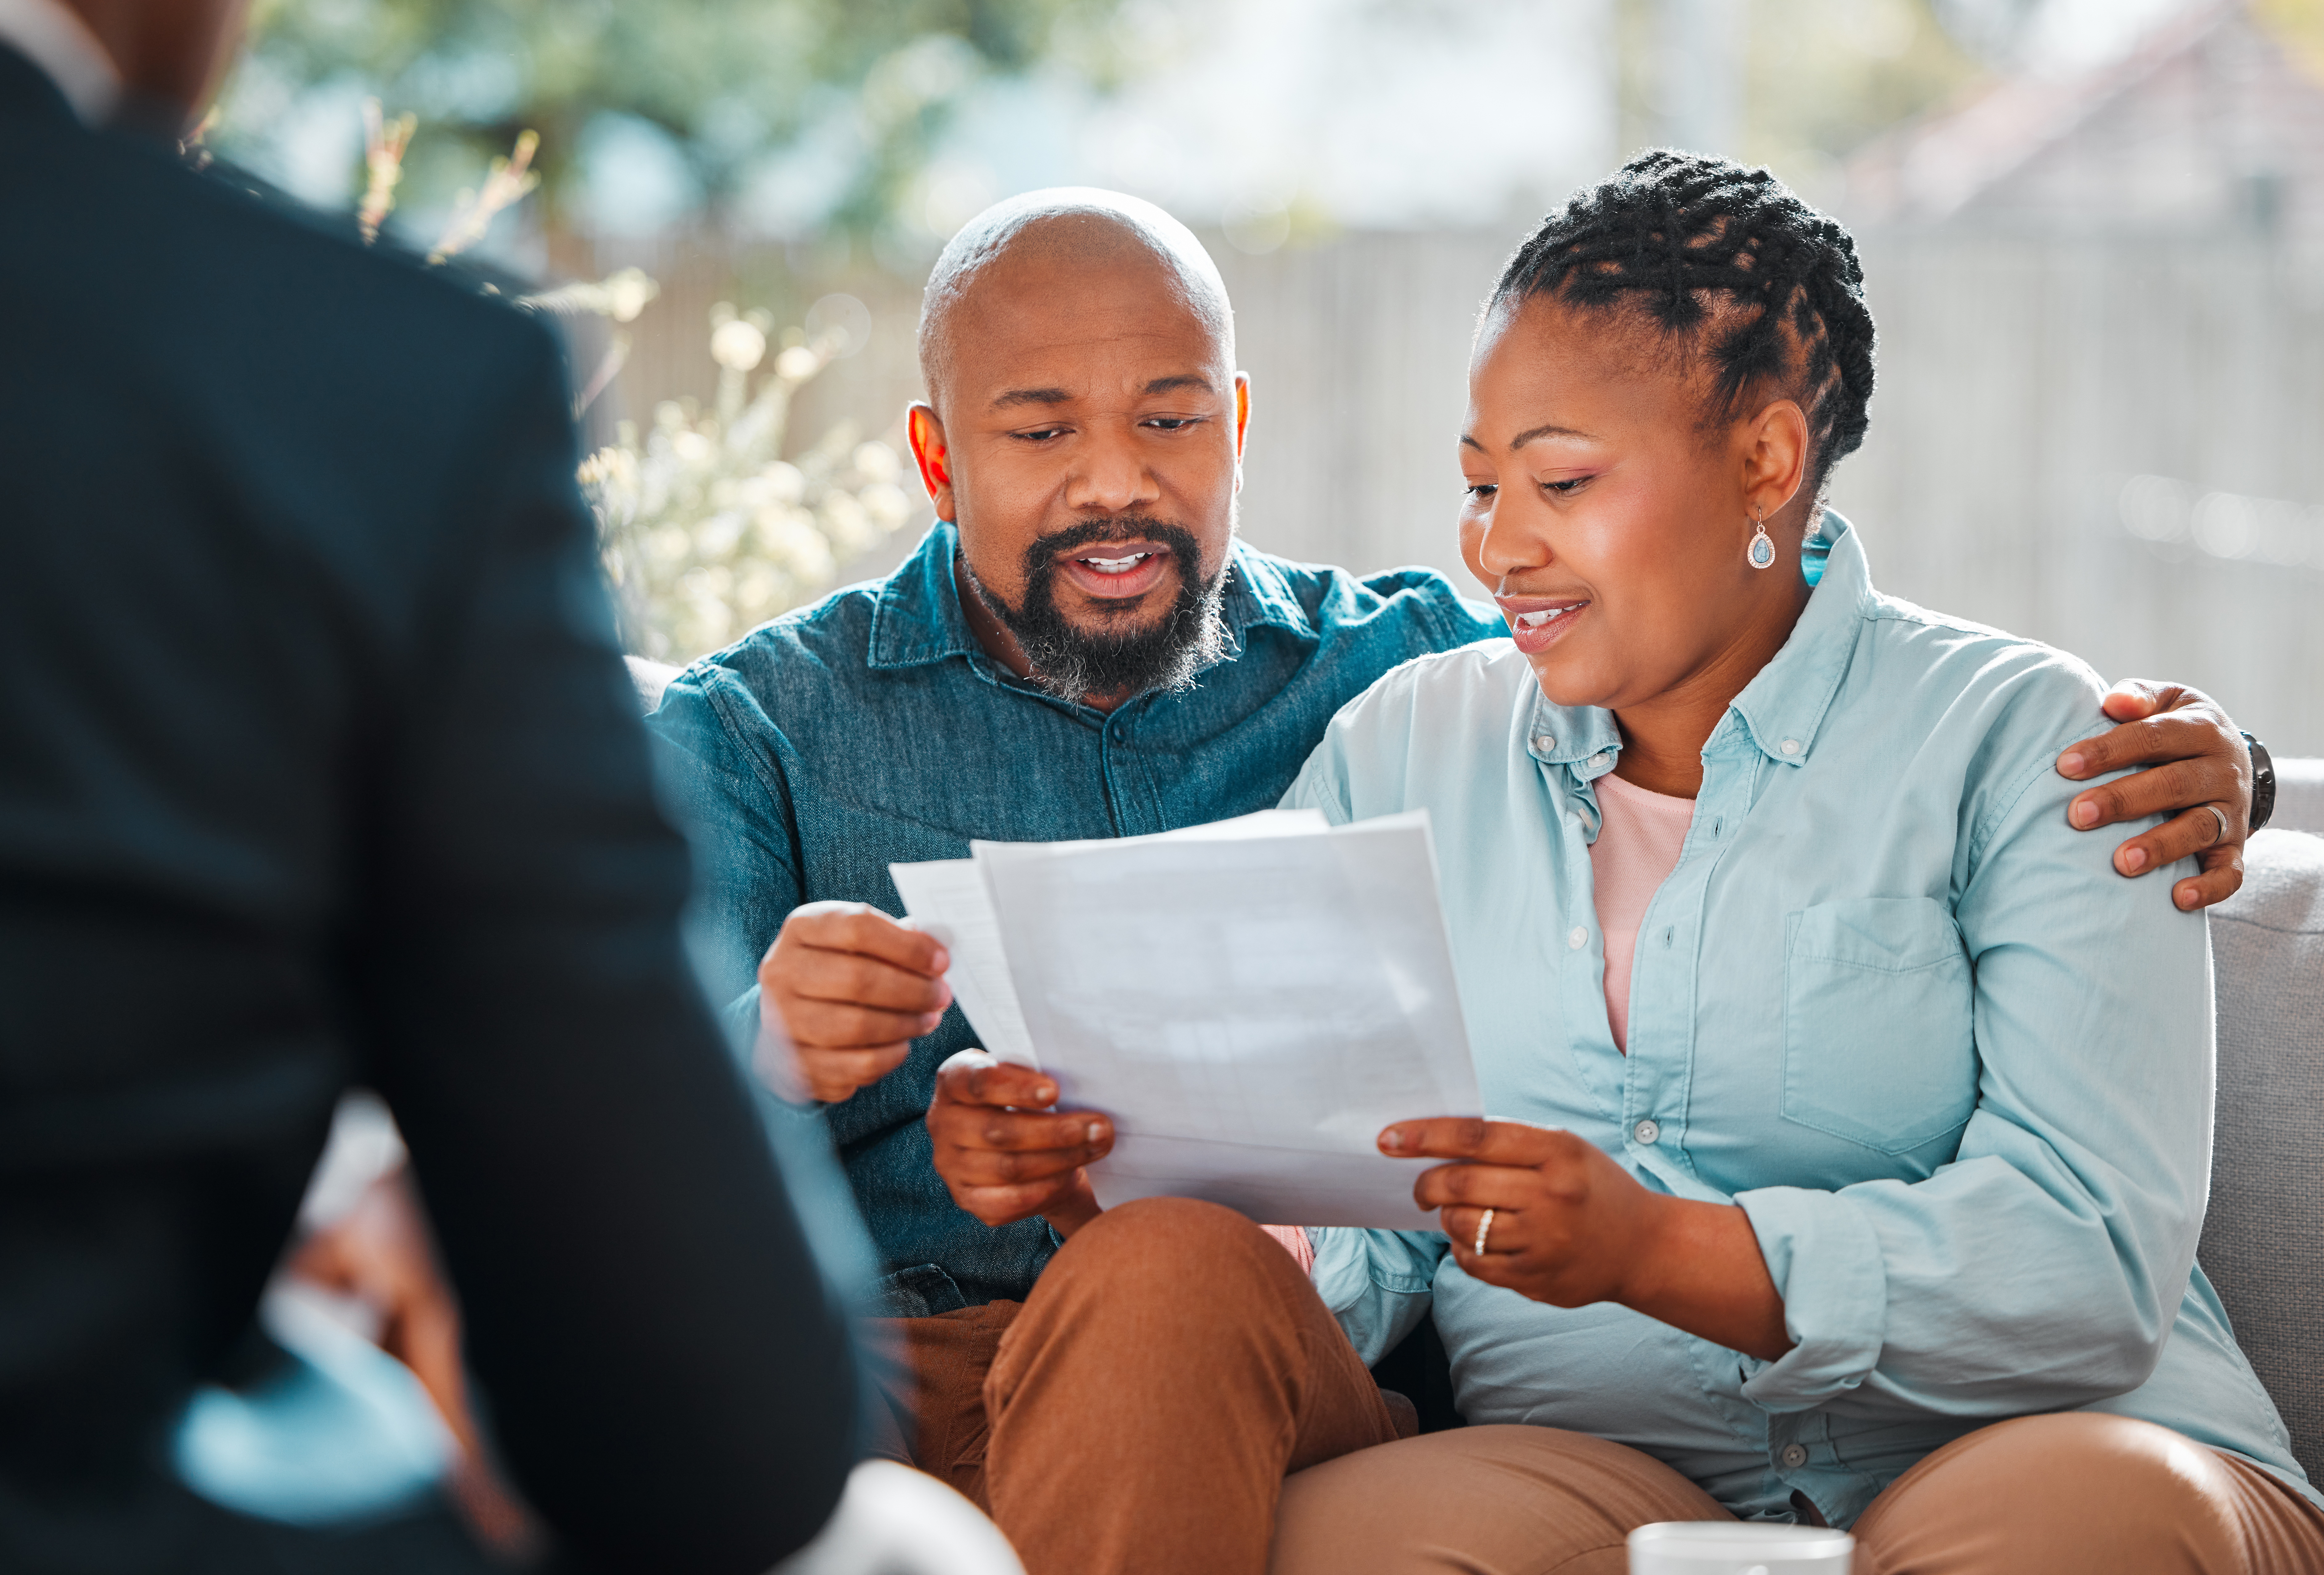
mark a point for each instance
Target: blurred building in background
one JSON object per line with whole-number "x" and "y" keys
{"x": 2101, "y": 410}
{"x": 2093, "y": 229}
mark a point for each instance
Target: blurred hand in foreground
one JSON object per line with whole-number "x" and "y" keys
{"x": 382, "y": 1254}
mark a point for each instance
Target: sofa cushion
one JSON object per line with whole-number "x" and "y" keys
{"x": 2264, "y": 1239}
{"x": 2299, "y": 796}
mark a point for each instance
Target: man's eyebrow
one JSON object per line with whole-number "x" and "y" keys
{"x": 1033, "y": 396}
{"x": 1182, "y": 379}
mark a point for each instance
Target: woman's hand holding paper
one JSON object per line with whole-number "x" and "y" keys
{"x": 1005, "y": 1155}
{"x": 1570, "y": 1226}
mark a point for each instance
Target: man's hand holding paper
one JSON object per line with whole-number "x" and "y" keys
{"x": 1003, "y": 1151}
{"x": 853, "y": 988}
{"x": 1249, "y": 1003}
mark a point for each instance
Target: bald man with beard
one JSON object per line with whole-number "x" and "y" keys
{"x": 1081, "y": 646}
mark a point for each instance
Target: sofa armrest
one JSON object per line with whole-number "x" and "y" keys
{"x": 2300, "y": 796}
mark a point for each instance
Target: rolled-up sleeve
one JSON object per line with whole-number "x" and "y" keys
{"x": 2043, "y": 1267}
{"x": 1828, "y": 1261}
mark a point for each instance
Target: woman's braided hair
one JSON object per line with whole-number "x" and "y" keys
{"x": 1670, "y": 234}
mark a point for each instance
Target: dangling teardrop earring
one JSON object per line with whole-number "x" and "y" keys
{"x": 1762, "y": 550}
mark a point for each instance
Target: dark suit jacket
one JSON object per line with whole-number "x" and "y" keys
{"x": 317, "y": 765}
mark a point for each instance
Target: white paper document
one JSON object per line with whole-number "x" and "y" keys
{"x": 1249, "y": 1001}
{"x": 946, "y": 899}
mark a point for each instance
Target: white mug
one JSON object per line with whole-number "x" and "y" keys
{"x": 1735, "y": 1547}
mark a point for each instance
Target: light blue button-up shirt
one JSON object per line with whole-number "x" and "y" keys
{"x": 1956, "y": 1072}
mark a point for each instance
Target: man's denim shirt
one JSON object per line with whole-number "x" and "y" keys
{"x": 871, "y": 728}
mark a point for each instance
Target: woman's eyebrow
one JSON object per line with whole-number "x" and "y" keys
{"x": 1527, "y": 436}
{"x": 1547, "y": 430}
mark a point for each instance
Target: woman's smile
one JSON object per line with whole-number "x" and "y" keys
{"x": 1538, "y": 622}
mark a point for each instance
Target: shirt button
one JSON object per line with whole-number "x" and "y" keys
{"x": 1648, "y": 1132}
{"x": 1578, "y": 939}
{"x": 1791, "y": 746}
{"x": 1544, "y": 742}
{"x": 1597, "y": 760}
{"x": 1794, "y": 1456}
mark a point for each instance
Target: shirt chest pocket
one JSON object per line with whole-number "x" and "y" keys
{"x": 1879, "y": 1046}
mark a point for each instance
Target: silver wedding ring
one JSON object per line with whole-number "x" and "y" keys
{"x": 1484, "y": 1229}
{"x": 2221, "y": 815}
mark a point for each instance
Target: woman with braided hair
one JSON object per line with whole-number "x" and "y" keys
{"x": 1856, "y": 1121}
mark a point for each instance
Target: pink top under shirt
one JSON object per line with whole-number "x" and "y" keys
{"x": 1637, "y": 847}
{"x": 1294, "y": 1242}
{"x": 1639, "y": 836}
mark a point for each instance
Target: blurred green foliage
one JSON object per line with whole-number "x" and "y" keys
{"x": 729, "y": 81}
{"x": 2299, "y": 23}
{"x": 1825, "y": 76}
{"x": 1822, "y": 78}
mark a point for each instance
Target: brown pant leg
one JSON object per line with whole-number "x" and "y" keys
{"x": 2078, "y": 1491}
{"x": 1172, "y": 1364}
{"x": 930, "y": 1374}
{"x": 1481, "y": 1501}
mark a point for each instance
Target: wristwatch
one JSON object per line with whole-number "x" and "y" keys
{"x": 2263, "y": 782}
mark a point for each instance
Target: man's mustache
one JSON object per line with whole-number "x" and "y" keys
{"x": 1162, "y": 652}
{"x": 1046, "y": 550}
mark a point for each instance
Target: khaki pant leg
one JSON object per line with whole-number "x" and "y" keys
{"x": 930, "y": 1376}
{"x": 1479, "y": 1501}
{"x": 2284, "y": 1532}
{"x": 1170, "y": 1365}
{"x": 2080, "y": 1492}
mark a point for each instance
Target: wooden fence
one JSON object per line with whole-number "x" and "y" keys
{"x": 2116, "y": 445}
{"x": 2113, "y": 445}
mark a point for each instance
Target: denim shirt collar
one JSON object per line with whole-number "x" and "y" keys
{"x": 919, "y": 618}
{"x": 1781, "y": 707}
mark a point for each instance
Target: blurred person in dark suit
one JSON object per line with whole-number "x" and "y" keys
{"x": 283, "y": 520}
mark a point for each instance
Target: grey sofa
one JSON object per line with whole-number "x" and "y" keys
{"x": 2264, "y": 1239}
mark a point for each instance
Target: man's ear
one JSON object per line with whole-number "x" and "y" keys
{"x": 926, "y": 430}
{"x": 1242, "y": 421}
